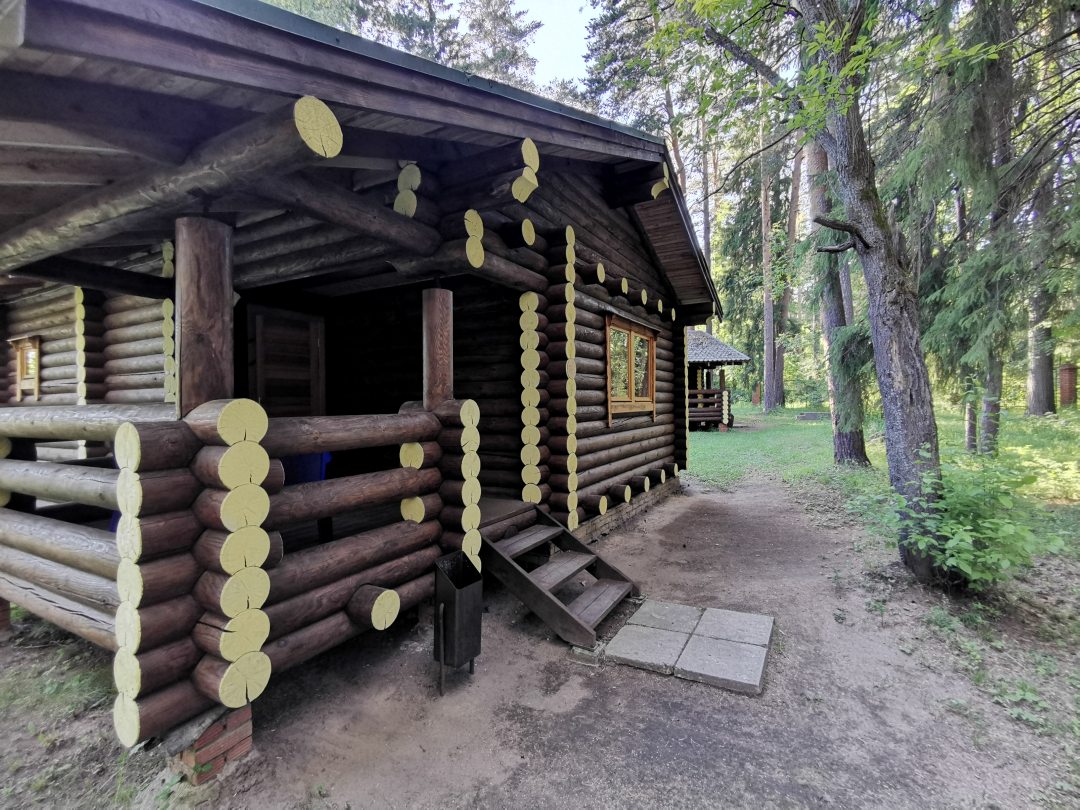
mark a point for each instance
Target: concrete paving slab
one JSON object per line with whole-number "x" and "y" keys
{"x": 667, "y": 616}
{"x": 748, "y": 628}
{"x": 728, "y": 664}
{"x": 646, "y": 648}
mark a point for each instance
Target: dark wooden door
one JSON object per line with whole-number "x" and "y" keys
{"x": 286, "y": 362}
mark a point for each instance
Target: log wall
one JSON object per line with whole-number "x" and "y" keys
{"x": 139, "y": 350}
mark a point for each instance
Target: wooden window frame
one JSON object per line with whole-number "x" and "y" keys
{"x": 24, "y": 383}
{"x": 632, "y": 404}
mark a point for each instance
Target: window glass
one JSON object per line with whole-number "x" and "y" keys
{"x": 30, "y": 363}
{"x": 619, "y": 363}
{"x": 641, "y": 367}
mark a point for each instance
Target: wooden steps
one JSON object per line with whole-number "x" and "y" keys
{"x": 574, "y": 622}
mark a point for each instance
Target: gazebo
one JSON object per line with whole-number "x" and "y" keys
{"x": 710, "y": 400}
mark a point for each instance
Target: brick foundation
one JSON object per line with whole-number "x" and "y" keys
{"x": 593, "y": 529}
{"x": 225, "y": 740}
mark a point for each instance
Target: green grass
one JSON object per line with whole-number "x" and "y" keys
{"x": 800, "y": 453}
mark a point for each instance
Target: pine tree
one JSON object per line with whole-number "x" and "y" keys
{"x": 498, "y": 39}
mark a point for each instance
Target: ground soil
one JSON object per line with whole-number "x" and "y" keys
{"x": 864, "y": 705}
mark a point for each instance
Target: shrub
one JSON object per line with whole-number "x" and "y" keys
{"x": 977, "y": 530}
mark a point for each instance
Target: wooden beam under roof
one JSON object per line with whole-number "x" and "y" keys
{"x": 34, "y": 166}
{"x": 96, "y": 277}
{"x": 279, "y": 141}
{"x": 154, "y": 126}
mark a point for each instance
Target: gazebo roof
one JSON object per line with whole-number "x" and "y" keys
{"x": 704, "y": 349}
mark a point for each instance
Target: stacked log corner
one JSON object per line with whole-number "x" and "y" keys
{"x": 562, "y": 316}
{"x": 190, "y": 628}
{"x": 533, "y": 356}
{"x": 460, "y": 490}
{"x": 140, "y": 349}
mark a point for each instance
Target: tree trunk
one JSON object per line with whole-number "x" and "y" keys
{"x": 770, "y": 400}
{"x": 845, "y": 288}
{"x": 1040, "y": 381}
{"x": 911, "y": 443}
{"x": 845, "y": 394}
{"x": 786, "y": 296}
{"x": 991, "y": 404}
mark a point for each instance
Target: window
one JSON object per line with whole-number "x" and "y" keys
{"x": 27, "y": 380}
{"x": 631, "y": 368}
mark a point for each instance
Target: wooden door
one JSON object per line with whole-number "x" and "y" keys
{"x": 286, "y": 362}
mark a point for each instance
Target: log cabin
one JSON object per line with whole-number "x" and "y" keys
{"x": 707, "y": 358}
{"x": 288, "y": 315}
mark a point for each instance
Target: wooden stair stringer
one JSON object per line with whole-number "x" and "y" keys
{"x": 575, "y": 622}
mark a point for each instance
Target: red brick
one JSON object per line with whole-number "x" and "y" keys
{"x": 203, "y": 774}
{"x": 238, "y": 717}
{"x": 222, "y": 744}
{"x": 238, "y": 750}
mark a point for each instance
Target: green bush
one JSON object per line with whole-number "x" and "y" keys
{"x": 978, "y": 530}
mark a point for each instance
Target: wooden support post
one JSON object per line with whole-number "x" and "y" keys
{"x": 5, "y": 619}
{"x": 438, "y": 347}
{"x": 204, "y": 311}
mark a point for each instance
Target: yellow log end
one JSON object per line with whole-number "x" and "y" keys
{"x": 318, "y": 127}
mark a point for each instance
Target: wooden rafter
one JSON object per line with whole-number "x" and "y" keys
{"x": 280, "y": 141}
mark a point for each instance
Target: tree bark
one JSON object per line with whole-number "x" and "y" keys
{"x": 770, "y": 400}
{"x": 911, "y": 443}
{"x": 845, "y": 394}
{"x": 991, "y": 404}
{"x": 785, "y": 297}
{"x": 1040, "y": 380}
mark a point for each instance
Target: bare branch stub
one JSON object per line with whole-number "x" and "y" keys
{"x": 840, "y": 225}
{"x": 841, "y": 248}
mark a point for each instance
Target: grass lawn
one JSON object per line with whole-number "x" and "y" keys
{"x": 800, "y": 454}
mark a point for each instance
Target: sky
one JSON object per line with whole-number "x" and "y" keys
{"x": 559, "y": 46}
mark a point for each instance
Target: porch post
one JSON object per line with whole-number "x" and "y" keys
{"x": 438, "y": 309}
{"x": 204, "y": 311}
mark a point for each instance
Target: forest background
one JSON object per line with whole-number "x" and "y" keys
{"x": 886, "y": 193}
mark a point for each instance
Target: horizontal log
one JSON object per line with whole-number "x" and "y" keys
{"x": 616, "y": 469}
{"x": 156, "y": 713}
{"x": 130, "y": 335}
{"x": 419, "y": 455}
{"x": 93, "y": 422}
{"x": 94, "y": 624}
{"x": 229, "y": 552}
{"x": 59, "y": 482}
{"x": 321, "y": 499}
{"x": 158, "y": 535}
{"x": 228, "y": 421}
{"x": 89, "y": 589}
{"x": 82, "y": 547}
{"x": 140, "y": 629}
{"x": 231, "y": 467}
{"x": 147, "y": 672}
{"x": 232, "y": 683}
{"x": 231, "y": 595}
{"x": 304, "y": 609}
{"x": 147, "y": 583}
{"x": 151, "y": 493}
{"x": 316, "y": 434}
{"x": 147, "y": 447}
{"x": 374, "y": 608}
{"x": 143, "y": 313}
{"x": 311, "y": 568}
{"x": 231, "y": 638}
{"x": 150, "y": 364}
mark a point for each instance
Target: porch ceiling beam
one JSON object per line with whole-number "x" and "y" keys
{"x": 339, "y": 206}
{"x": 97, "y": 277}
{"x": 302, "y": 132}
{"x": 152, "y": 125}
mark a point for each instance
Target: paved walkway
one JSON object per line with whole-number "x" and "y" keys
{"x": 723, "y": 648}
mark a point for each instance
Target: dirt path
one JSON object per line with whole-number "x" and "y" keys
{"x": 854, "y": 712}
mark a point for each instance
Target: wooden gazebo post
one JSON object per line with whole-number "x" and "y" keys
{"x": 204, "y": 311}
{"x": 438, "y": 309}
